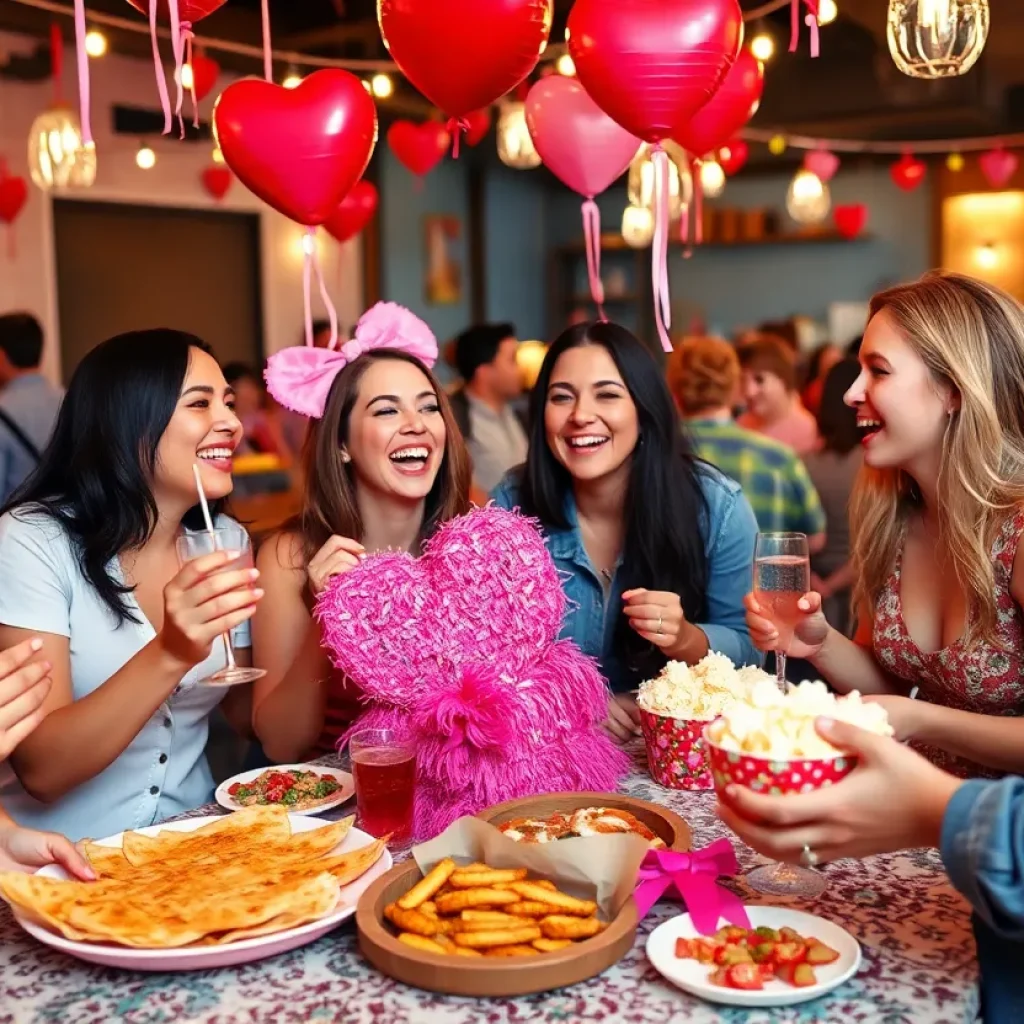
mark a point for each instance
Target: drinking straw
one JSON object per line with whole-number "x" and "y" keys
{"x": 202, "y": 499}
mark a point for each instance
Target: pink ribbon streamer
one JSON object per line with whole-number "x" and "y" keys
{"x": 310, "y": 266}
{"x": 83, "y": 73}
{"x": 268, "y": 57}
{"x": 456, "y": 126}
{"x": 592, "y": 238}
{"x": 694, "y": 878}
{"x": 810, "y": 20}
{"x": 659, "y": 249}
{"x": 161, "y": 84}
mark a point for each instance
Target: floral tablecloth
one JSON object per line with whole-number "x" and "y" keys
{"x": 919, "y": 966}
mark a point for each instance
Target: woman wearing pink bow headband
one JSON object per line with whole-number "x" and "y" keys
{"x": 385, "y": 465}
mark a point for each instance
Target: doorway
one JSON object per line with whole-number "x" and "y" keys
{"x": 125, "y": 268}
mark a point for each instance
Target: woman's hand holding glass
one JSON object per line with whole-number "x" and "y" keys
{"x": 23, "y": 688}
{"x": 809, "y": 632}
{"x": 203, "y": 602}
{"x": 336, "y": 557}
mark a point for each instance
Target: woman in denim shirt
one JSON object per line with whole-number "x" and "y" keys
{"x": 977, "y": 825}
{"x": 656, "y": 547}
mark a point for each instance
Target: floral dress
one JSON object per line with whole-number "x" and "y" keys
{"x": 982, "y": 677}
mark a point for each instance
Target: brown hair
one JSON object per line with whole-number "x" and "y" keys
{"x": 767, "y": 353}
{"x": 702, "y": 374}
{"x": 329, "y": 504}
{"x": 970, "y": 335}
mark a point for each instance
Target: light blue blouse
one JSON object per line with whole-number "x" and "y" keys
{"x": 729, "y": 531}
{"x": 164, "y": 770}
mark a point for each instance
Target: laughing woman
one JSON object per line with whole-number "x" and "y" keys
{"x": 89, "y": 564}
{"x": 385, "y": 465}
{"x": 937, "y": 521}
{"x": 655, "y": 545}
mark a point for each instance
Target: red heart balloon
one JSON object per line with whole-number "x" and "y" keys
{"x": 998, "y": 166}
{"x": 850, "y": 220}
{"x": 907, "y": 173}
{"x": 420, "y": 147}
{"x": 734, "y": 103}
{"x": 465, "y": 54}
{"x": 650, "y": 64}
{"x": 13, "y": 196}
{"x": 733, "y": 155}
{"x": 217, "y": 181}
{"x": 205, "y": 72}
{"x": 188, "y": 10}
{"x": 300, "y": 150}
{"x": 479, "y": 124}
{"x": 354, "y": 213}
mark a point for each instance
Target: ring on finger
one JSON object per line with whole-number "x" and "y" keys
{"x": 660, "y": 631}
{"x": 808, "y": 858}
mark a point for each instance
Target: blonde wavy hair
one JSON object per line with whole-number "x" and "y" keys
{"x": 970, "y": 335}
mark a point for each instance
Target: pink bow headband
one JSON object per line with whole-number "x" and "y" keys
{"x": 300, "y": 378}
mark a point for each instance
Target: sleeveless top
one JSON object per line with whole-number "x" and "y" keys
{"x": 983, "y": 678}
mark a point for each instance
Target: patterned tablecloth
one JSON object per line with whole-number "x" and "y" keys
{"x": 919, "y": 966}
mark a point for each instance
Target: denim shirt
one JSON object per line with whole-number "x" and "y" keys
{"x": 729, "y": 530}
{"x": 983, "y": 851}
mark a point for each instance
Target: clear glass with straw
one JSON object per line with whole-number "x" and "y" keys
{"x": 231, "y": 537}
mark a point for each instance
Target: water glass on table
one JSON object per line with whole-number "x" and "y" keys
{"x": 782, "y": 575}
{"x": 384, "y": 771}
{"x": 206, "y": 542}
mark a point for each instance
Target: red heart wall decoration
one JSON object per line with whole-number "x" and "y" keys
{"x": 354, "y": 213}
{"x": 650, "y": 64}
{"x": 998, "y": 166}
{"x": 188, "y": 10}
{"x": 734, "y": 103}
{"x": 300, "y": 150}
{"x": 419, "y": 147}
{"x": 733, "y": 155}
{"x": 465, "y": 54}
{"x": 907, "y": 172}
{"x": 13, "y": 196}
{"x": 850, "y": 220}
{"x": 217, "y": 180}
{"x": 205, "y": 72}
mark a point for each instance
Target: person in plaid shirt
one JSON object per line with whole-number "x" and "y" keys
{"x": 703, "y": 374}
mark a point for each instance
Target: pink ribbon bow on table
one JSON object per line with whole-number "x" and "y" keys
{"x": 694, "y": 877}
{"x": 300, "y": 377}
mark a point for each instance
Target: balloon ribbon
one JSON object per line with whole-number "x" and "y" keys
{"x": 456, "y": 126}
{"x": 83, "y": 72}
{"x": 311, "y": 266}
{"x": 592, "y": 238}
{"x": 659, "y": 250}
{"x": 810, "y": 20}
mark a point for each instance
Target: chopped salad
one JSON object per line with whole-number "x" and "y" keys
{"x": 296, "y": 789}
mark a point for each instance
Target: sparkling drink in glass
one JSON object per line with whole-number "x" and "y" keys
{"x": 197, "y": 544}
{"x": 384, "y": 770}
{"x": 782, "y": 575}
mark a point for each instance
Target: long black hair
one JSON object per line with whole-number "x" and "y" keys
{"x": 95, "y": 475}
{"x": 837, "y": 422}
{"x": 665, "y": 511}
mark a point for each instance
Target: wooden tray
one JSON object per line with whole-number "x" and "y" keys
{"x": 514, "y": 976}
{"x": 665, "y": 824}
{"x": 463, "y": 976}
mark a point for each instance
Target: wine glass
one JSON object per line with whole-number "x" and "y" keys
{"x": 782, "y": 575}
{"x": 205, "y": 542}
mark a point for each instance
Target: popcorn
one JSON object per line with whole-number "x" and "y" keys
{"x": 767, "y": 723}
{"x": 700, "y": 692}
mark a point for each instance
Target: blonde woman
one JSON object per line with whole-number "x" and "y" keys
{"x": 937, "y": 517}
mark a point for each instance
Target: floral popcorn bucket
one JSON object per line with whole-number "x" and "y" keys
{"x": 676, "y": 751}
{"x": 777, "y": 777}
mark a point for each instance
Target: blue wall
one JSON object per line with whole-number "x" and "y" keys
{"x": 527, "y": 213}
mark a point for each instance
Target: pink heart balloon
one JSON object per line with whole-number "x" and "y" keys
{"x": 652, "y": 64}
{"x": 578, "y": 142}
{"x": 822, "y": 163}
{"x": 998, "y": 166}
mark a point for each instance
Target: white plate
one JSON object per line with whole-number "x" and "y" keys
{"x": 343, "y": 794}
{"x": 692, "y": 976}
{"x": 194, "y": 958}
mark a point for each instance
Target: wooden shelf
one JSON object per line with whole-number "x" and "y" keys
{"x": 616, "y": 243}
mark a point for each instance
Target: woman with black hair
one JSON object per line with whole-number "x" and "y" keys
{"x": 656, "y": 546}
{"x": 89, "y": 564}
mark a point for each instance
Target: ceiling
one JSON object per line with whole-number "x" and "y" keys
{"x": 853, "y": 90}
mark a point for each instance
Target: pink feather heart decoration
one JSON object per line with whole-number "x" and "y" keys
{"x": 461, "y": 647}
